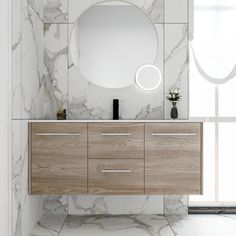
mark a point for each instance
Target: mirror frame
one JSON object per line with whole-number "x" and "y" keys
{"x": 131, "y": 2}
{"x": 150, "y": 66}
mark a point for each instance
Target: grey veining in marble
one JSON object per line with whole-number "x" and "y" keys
{"x": 88, "y": 101}
{"x": 25, "y": 210}
{"x": 57, "y": 205}
{"x": 16, "y": 188}
{"x": 132, "y": 225}
{"x": 37, "y": 7}
{"x": 55, "y": 77}
{"x": 175, "y": 205}
{"x": 137, "y": 225}
{"x": 16, "y": 59}
{"x": 153, "y": 8}
{"x": 85, "y": 99}
{"x": 32, "y": 62}
{"x": 49, "y": 225}
{"x": 31, "y": 205}
{"x": 55, "y": 11}
{"x": 109, "y": 205}
{"x": 177, "y": 65}
{"x": 203, "y": 225}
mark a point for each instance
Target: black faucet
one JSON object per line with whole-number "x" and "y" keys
{"x": 115, "y": 109}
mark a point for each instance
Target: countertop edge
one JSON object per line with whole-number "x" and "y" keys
{"x": 118, "y": 121}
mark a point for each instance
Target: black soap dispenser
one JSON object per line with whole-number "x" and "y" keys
{"x": 115, "y": 109}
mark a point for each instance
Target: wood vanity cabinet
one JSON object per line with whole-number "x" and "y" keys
{"x": 116, "y": 176}
{"x": 173, "y": 158}
{"x": 58, "y": 158}
{"x": 116, "y": 140}
{"x": 115, "y": 158}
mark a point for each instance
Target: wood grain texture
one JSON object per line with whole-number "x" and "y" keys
{"x": 30, "y": 157}
{"x": 116, "y": 183}
{"x": 173, "y": 163}
{"x": 115, "y": 146}
{"x": 59, "y": 163}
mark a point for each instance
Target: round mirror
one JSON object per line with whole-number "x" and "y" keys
{"x": 110, "y": 41}
{"x": 148, "y": 77}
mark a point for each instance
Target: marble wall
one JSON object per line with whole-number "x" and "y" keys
{"x": 42, "y": 70}
{"x": 27, "y": 61}
{"x": 84, "y": 100}
{"x": 54, "y": 74}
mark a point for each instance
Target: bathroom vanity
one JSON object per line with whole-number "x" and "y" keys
{"x": 115, "y": 157}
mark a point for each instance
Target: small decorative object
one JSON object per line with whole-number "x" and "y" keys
{"x": 56, "y": 94}
{"x": 61, "y": 112}
{"x": 64, "y": 114}
{"x": 115, "y": 109}
{"x": 60, "y": 115}
{"x": 174, "y": 96}
{"x": 174, "y": 111}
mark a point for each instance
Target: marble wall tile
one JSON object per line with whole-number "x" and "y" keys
{"x": 16, "y": 172}
{"x": 37, "y": 7}
{"x": 176, "y": 205}
{"x": 132, "y": 225}
{"x": 56, "y": 68}
{"x": 153, "y": 8}
{"x": 26, "y": 209}
{"x": 86, "y": 205}
{"x": 88, "y": 101}
{"x": 32, "y": 62}
{"x": 57, "y": 205}
{"x": 177, "y": 65}
{"x": 16, "y": 59}
{"x": 32, "y": 206}
{"x": 26, "y": 25}
{"x": 49, "y": 225}
{"x": 55, "y": 11}
{"x": 176, "y": 11}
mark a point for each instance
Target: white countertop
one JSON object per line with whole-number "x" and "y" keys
{"x": 119, "y": 121}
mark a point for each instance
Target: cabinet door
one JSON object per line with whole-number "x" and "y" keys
{"x": 173, "y": 161}
{"x": 58, "y": 163}
{"x": 116, "y": 176}
{"x": 116, "y": 140}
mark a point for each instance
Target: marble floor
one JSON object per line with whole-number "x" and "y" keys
{"x": 136, "y": 225}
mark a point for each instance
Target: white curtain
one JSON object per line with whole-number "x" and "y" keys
{"x": 213, "y": 47}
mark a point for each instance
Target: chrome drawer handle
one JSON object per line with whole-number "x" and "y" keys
{"x": 57, "y": 134}
{"x": 116, "y": 171}
{"x": 173, "y": 134}
{"x": 115, "y": 134}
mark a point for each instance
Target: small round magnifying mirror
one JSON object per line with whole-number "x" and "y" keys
{"x": 148, "y": 77}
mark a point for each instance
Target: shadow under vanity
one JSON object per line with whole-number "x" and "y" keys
{"x": 115, "y": 158}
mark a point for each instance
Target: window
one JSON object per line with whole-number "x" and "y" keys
{"x": 212, "y": 97}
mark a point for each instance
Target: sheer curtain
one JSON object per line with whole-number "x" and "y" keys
{"x": 212, "y": 96}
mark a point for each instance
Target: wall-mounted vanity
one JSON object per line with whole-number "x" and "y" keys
{"x": 115, "y": 158}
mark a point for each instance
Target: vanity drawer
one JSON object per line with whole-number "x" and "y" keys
{"x": 173, "y": 163}
{"x": 116, "y": 140}
{"x": 116, "y": 176}
{"x": 58, "y": 158}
